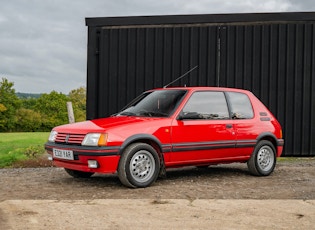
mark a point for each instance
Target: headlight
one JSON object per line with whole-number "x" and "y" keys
{"x": 52, "y": 136}
{"x": 95, "y": 139}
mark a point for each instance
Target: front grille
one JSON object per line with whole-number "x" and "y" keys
{"x": 66, "y": 138}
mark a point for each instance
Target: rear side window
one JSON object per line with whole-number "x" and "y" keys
{"x": 240, "y": 105}
{"x": 206, "y": 105}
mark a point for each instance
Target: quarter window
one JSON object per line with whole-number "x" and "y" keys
{"x": 240, "y": 105}
{"x": 206, "y": 105}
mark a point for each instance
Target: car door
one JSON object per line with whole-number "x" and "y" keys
{"x": 203, "y": 130}
{"x": 246, "y": 129}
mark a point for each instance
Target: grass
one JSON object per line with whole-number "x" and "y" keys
{"x": 295, "y": 159}
{"x": 17, "y": 147}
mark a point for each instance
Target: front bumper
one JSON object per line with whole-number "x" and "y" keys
{"x": 106, "y": 157}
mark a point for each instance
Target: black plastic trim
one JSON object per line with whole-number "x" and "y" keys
{"x": 143, "y": 136}
{"x": 280, "y": 142}
{"x": 86, "y": 150}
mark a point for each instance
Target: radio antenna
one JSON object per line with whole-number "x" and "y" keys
{"x": 180, "y": 77}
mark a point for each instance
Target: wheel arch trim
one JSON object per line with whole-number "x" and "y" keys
{"x": 144, "y": 138}
{"x": 270, "y": 137}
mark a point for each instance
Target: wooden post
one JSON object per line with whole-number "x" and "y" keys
{"x": 70, "y": 112}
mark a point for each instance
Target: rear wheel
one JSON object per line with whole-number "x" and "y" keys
{"x": 139, "y": 166}
{"x": 78, "y": 174}
{"x": 263, "y": 160}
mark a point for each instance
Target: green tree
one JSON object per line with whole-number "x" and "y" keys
{"x": 2, "y": 108}
{"x": 28, "y": 120}
{"x": 53, "y": 109}
{"x": 78, "y": 99}
{"x": 9, "y": 104}
{"x": 28, "y": 103}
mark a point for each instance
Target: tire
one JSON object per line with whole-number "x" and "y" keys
{"x": 263, "y": 160}
{"x": 139, "y": 166}
{"x": 78, "y": 174}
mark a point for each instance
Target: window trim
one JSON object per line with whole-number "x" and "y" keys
{"x": 202, "y": 119}
{"x": 230, "y": 106}
{"x": 228, "y": 103}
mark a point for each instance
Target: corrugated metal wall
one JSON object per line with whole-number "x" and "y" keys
{"x": 138, "y": 59}
{"x": 275, "y": 60}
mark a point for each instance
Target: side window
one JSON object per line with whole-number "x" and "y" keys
{"x": 241, "y": 108}
{"x": 206, "y": 105}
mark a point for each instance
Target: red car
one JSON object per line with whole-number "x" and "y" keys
{"x": 171, "y": 127}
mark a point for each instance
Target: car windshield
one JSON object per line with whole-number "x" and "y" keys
{"x": 159, "y": 103}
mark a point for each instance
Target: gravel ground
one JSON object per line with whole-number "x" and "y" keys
{"x": 223, "y": 196}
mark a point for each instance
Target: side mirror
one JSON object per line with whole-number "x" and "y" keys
{"x": 189, "y": 116}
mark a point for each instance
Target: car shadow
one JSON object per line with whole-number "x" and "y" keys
{"x": 102, "y": 180}
{"x": 209, "y": 172}
{"x": 172, "y": 175}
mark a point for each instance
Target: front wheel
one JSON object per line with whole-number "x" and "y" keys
{"x": 78, "y": 174}
{"x": 263, "y": 160}
{"x": 139, "y": 166}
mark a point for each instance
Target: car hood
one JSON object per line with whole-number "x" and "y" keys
{"x": 104, "y": 124}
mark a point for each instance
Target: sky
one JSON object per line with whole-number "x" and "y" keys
{"x": 43, "y": 44}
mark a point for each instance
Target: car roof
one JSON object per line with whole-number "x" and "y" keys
{"x": 198, "y": 88}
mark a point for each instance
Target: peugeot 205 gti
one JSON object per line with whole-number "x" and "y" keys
{"x": 171, "y": 127}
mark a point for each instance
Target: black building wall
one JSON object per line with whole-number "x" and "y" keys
{"x": 273, "y": 55}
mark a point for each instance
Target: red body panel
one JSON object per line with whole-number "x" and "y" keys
{"x": 108, "y": 164}
{"x": 179, "y": 142}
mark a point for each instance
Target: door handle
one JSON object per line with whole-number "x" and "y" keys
{"x": 228, "y": 126}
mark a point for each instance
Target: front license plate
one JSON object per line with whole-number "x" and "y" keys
{"x": 63, "y": 154}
